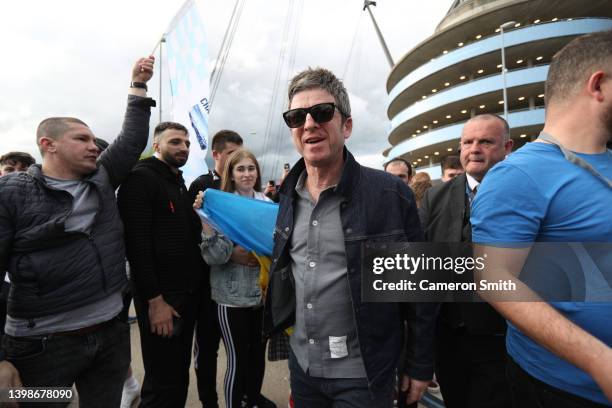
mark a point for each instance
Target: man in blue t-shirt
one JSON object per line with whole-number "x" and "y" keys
{"x": 560, "y": 353}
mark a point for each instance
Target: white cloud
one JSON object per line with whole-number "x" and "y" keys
{"x": 73, "y": 57}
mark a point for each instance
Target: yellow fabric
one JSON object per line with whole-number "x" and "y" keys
{"x": 264, "y": 271}
{"x": 264, "y": 278}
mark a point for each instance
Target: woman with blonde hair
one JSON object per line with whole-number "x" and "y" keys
{"x": 237, "y": 291}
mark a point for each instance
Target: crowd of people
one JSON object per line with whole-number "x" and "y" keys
{"x": 68, "y": 225}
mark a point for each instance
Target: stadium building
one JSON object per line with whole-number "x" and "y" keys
{"x": 457, "y": 72}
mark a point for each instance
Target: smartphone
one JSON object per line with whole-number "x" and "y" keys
{"x": 271, "y": 183}
{"x": 287, "y": 166}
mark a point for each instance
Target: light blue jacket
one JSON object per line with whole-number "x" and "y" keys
{"x": 230, "y": 283}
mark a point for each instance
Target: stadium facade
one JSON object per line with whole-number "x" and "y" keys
{"x": 457, "y": 72}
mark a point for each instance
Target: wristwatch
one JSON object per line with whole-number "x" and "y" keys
{"x": 140, "y": 85}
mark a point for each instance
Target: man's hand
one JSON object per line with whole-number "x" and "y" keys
{"x": 269, "y": 190}
{"x": 160, "y": 316}
{"x": 9, "y": 378}
{"x": 199, "y": 200}
{"x": 413, "y": 388}
{"x": 143, "y": 69}
{"x": 242, "y": 257}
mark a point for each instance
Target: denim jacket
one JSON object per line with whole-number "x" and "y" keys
{"x": 377, "y": 207}
{"x": 230, "y": 283}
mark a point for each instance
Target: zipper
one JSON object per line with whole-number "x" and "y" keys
{"x": 356, "y": 327}
{"x": 95, "y": 248}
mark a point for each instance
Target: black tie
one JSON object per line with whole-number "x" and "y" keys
{"x": 472, "y": 194}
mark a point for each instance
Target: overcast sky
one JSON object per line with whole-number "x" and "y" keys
{"x": 73, "y": 58}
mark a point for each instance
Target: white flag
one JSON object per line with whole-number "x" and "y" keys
{"x": 187, "y": 58}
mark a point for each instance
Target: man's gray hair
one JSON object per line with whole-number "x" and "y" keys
{"x": 321, "y": 78}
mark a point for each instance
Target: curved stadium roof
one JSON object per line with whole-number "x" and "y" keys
{"x": 456, "y": 73}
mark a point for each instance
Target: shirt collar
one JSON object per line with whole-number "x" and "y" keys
{"x": 472, "y": 182}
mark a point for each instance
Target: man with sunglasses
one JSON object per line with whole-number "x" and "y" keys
{"x": 342, "y": 349}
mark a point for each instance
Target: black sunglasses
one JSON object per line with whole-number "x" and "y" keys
{"x": 321, "y": 113}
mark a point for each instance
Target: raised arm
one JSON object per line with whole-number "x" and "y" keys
{"x": 119, "y": 158}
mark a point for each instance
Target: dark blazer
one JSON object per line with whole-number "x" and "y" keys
{"x": 445, "y": 215}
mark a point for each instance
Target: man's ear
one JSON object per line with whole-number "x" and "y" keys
{"x": 47, "y": 144}
{"x": 215, "y": 155}
{"x": 156, "y": 147}
{"x": 508, "y": 146}
{"x": 347, "y": 127}
{"x": 595, "y": 83}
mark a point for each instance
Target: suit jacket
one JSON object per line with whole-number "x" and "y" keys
{"x": 445, "y": 217}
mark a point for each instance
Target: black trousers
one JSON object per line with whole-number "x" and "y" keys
{"x": 167, "y": 359}
{"x": 206, "y": 350}
{"x": 471, "y": 369}
{"x": 246, "y": 358}
{"x": 529, "y": 392}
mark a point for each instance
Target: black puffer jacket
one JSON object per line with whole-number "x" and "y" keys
{"x": 162, "y": 232}
{"x": 54, "y": 271}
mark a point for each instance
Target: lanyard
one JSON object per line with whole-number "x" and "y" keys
{"x": 578, "y": 161}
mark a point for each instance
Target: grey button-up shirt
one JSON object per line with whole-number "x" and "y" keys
{"x": 324, "y": 339}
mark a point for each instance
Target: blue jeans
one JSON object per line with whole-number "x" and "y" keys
{"x": 96, "y": 362}
{"x": 313, "y": 392}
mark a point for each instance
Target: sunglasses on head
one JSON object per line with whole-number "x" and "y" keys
{"x": 321, "y": 113}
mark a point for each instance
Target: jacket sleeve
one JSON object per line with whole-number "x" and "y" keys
{"x": 196, "y": 186}
{"x": 119, "y": 158}
{"x": 420, "y": 316}
{"x": 7, "y": 233}
{"x": 424, "y": 212}
{"x": 135, "y": 200}
{"x": 216, "y": 249}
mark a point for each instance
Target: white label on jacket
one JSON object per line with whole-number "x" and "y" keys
{"x": 337, "y": 347}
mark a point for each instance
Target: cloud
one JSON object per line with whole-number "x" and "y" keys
{"x": 70, "y": 57}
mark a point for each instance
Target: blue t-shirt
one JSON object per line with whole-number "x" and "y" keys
{"x": 536, "y": 195}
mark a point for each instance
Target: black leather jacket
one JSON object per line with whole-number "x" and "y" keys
{"x": 377, "y": 207}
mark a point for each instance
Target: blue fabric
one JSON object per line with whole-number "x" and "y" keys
{"x": 245, "y": 221}
{"x": 535, "y": 195}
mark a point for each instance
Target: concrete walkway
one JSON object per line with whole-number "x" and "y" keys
{"x": 275, "y": 387}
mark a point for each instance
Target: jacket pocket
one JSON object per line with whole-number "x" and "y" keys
{"x": 391, "y": 236}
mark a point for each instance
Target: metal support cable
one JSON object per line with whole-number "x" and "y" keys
{"x": 272, "y": 110}
{"x": 225, "y": 49}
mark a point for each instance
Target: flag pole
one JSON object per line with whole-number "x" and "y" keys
{"x": 159, "y": 44}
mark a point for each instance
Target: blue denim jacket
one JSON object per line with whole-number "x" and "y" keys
{"x": 230, "y": 283}
{"x": 377, "y": 207}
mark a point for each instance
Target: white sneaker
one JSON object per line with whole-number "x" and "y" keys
{"x": 131, "y": 392}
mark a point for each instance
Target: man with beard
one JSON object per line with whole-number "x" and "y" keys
{"x": 557, "y": 189}
{"x": 162, "y": 233}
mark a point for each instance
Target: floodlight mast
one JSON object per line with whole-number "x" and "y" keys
{"x": 366, "y": 5}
